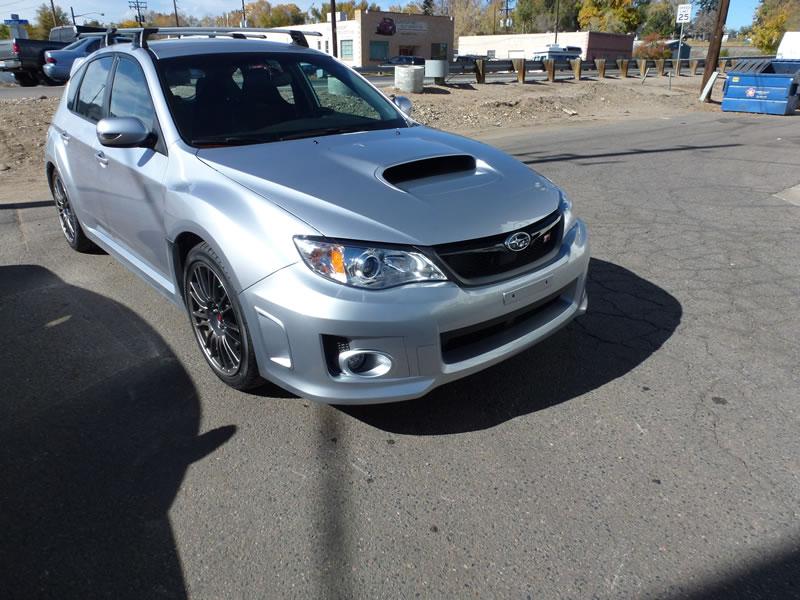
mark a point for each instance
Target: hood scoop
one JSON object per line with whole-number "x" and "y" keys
{"x": 429, "y": 167}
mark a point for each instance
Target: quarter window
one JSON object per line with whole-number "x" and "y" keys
{"x": 93, "y": 89}
{"x": 129, "y": 95}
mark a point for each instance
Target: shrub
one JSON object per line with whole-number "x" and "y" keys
{"x": 652, "y": 47}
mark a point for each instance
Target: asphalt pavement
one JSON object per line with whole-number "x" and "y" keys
{"x": 649, "y": 450}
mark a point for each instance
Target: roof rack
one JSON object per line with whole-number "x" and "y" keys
{"x": 141, "y": 34}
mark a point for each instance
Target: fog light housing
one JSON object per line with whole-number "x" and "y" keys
{"x": 365, "y": 363}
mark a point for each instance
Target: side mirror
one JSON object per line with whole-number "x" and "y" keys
{"x": 404, "y": 104}
{"x": 123, "y": 132}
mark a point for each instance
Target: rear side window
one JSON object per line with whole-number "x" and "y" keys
{"x": 93, "y": 89}
{"x": 130, "y": 96}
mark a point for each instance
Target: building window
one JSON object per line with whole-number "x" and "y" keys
{"x": 326, "y": 47}
{"x": 378, "y": 50}
{"x": 346, "y": 49}
{"x": 319, "y": 45}
{"x": 439, "y": 51}
{"x": 490, "y": 54}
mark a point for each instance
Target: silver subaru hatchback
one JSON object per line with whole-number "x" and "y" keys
{"x": 315, "y": 234}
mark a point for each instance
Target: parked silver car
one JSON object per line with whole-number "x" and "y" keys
{"x": 316, "y": 235}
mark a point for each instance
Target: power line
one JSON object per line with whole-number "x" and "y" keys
{"x": 138, "y": 6}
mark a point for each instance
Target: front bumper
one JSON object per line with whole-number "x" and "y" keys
{"x": 434, "y": 332}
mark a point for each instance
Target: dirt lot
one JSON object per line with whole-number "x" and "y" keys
{"x": 463, "y": 108}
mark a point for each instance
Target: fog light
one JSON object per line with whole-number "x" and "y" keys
{"x": 365, "y": 363}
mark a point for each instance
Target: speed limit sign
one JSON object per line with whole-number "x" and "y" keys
{"x": 684, "y": 13}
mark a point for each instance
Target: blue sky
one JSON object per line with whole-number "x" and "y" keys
{"x": 740, "y": 13}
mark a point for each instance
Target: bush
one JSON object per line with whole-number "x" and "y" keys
{"x": 652, "y": 47}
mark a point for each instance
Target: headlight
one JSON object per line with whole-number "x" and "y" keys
{"x": 566, "y": 212}
{"x": 366, "y": 266}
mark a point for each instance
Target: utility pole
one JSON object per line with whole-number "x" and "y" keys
{"x": 244, "y": 16}
{"x": 333, "y": 29}
{"x": 712, "y": 58}
{"x": 555, "y": 40}
{"x": 72, "y": 12}
{"x": 175, "y": 6}
{"x": 55, "y": 17}
{"x": 138, "y": 6}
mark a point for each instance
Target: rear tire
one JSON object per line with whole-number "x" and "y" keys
{"x": 70, "y": 226}
{"x": 48, "y": 81}
{"x": 26, "y": 79}
{"x": 217, "y": 319}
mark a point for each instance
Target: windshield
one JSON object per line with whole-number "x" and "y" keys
{"x": 230, "y": 99}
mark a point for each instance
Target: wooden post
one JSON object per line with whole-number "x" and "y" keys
{"x": 716, "y": 42}
{"x": 676, "y": 67}
{"x": 519, "y": 69}
{"x": 660, "y": 62}
{"x": 622, "y": 63}
{"x": 550, "y": 67}
{"x": 600, "y": 64}
{"x": 576, "y": 67}
{"x": 723, "y": 62}
{"x": 642, "y": 64}
{"x": 480, "y": 71}
{"x": 693, "y": 66}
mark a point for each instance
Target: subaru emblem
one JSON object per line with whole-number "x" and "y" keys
{"x": 517, "y": 242}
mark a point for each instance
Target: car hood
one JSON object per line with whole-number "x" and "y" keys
{"x": 339, "y": 184}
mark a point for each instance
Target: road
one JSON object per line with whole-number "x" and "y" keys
{"x": 649, "y": 450}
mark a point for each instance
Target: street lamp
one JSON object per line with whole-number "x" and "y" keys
{"x": 72, "y": 12}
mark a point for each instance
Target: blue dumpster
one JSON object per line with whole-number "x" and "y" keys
{"x": 775, "y": 90}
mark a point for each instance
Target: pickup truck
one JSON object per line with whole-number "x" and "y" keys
{"x": 24, "y": 58}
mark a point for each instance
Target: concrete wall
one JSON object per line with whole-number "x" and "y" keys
{"x": 592, "y": 44}
{"x": 397, "y": 33}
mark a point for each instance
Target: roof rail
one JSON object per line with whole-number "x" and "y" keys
{"x": 141, "y": 34}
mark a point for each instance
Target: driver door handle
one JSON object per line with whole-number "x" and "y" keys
{"x": 101, "y": 158}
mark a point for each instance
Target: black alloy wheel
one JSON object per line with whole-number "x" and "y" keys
{"x": 217, "y": 321}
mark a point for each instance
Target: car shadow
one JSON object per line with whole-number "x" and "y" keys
{"x": 99, "y": 423}
{"x": 629, "y": 319}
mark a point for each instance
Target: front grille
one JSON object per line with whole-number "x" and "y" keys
{"x": 486, "y": 260}
{"x": 468, "y": 342}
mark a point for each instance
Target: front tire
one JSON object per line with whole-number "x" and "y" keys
{"x": 70, "y": 226}
{"x": 217, "y": 319}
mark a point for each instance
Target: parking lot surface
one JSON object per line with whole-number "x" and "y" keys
{"x": 649, "y": 450}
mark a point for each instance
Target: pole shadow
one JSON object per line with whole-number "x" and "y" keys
{"x": 99, "y": 422}
{"x": 628, "y": 320}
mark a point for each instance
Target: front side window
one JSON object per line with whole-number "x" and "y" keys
{"x": 93, "y": 89}
{"x": 130, "y": 96}
{"x": 378, "y": 50}
{"x": 243, "y": 98}
{"x": 346, "y": 49}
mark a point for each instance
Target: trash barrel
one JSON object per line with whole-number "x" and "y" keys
{"x": 770, "y": 87}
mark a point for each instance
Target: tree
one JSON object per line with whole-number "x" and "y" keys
{"x": 533, "y": 16}
{"x": 659, "y": 18}
{"x": 5, "y": 32}
{"x": 773, "y": 19}
{"x": 44, "y": 21}
{"x": 427, "y": 7}
{"x": 614, "y": 16}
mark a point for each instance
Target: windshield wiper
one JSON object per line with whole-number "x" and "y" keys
{"x": 319, "y": 132}
{"x": 230, "y": 141}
